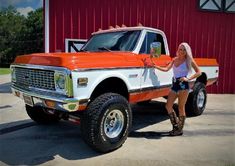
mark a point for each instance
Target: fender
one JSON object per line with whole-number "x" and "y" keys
{"x": 85, "y": 92}
{"x": 106, "y": 76}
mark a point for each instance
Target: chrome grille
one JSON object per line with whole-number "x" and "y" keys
{"x": 42, "y": 79}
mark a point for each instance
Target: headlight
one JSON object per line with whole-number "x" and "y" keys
{"x": 13, "y": 74}
{"x": 63, "y": 82}
{"x": 60, "y": 81}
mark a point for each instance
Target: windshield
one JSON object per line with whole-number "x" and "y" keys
{"x": 112, "y": 41}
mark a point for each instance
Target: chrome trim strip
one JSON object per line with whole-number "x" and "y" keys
{"x": 40, "y": 67}
{"x": 58, "y": 99}
{"x": 119, "y": 68}
{"x": 109, "y": 68}
{"x": 61, "y": 103}
{"x": 149, "y": 88}
{"x": 214, "y": 78}
{"x": 164, "y": 86}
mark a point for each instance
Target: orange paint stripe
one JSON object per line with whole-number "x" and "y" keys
{"x": 206, "y": 62}
{"x": 100, "y": 60}
{"x": 147, "y": 95}
{"x": 151, "y": 94}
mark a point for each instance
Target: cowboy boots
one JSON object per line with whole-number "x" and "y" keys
{"x": 174, "y": 121}
{"x": 179, "y": 130}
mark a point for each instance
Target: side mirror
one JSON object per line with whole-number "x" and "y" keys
{"x": 155, "y": 49}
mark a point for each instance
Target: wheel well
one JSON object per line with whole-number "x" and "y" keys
{"x": 113, "y": 84}
{"x": 202, "y": 78}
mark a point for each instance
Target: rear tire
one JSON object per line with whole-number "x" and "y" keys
{"x": 39, "y": 115}
{"x": 106, "y": 123}
{"x": 196, "y": 102}
{"x": 144, "y": 102}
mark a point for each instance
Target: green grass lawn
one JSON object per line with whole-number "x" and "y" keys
{"x": 5, "y": 71}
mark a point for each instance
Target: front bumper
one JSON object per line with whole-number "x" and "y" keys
{"x": 61, "y": 103}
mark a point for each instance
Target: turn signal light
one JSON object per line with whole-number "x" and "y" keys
{"x": 17, "y": 93}
{"x": 50, "y": 104}
{"x": 82, "y": 81}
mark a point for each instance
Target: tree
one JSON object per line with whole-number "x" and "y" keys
{"x": 11, "y": 24}
{"x": 18, "y": 34}
{"x": 33, "y": 34}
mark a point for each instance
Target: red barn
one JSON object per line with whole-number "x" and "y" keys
{"x": 207, "y": 25}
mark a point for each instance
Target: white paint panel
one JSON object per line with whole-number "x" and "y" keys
{"x": 154, "y": 77}
{"x": 210, "y": 71}
{"x": 131, "y": 77}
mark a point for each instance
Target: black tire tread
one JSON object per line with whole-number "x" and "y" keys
{"x": 90, "y": 121}
{"x": 191, "y": 107}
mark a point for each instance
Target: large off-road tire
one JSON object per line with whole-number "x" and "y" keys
{"x": 146, "y": 102}
{"x": 39, "y": 115}
{"x": 196, "y": 102}
{"x": 106, "y": 122}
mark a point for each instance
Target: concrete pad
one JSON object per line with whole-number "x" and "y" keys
{"x": 208, "y": 139}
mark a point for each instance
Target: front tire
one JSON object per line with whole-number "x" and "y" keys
{"x": 106, "y": 123}
{"x": 196, "y": 102}
{"x": 39, "y": 115}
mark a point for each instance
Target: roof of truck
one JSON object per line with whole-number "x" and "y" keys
{"x": 116, "y": 29}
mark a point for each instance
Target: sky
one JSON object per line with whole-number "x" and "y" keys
{"x": 22, "y": 6}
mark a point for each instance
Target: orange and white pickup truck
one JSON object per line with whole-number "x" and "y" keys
{"x": 96, "y": 86}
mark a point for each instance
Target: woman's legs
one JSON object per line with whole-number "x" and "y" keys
{"x": 182, "y": 99}
{"x": 172, "y": 115}
{"x": 170, "y": 101}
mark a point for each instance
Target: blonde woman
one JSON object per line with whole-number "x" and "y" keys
{"x": 182, "y": 65}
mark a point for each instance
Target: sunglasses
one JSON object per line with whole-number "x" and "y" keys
{"x": 182, "y": 49}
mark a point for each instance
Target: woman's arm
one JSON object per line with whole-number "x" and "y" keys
{"x": 165, "y": 69}
{"x": 196, "y": 69}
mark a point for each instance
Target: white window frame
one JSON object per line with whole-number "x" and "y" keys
{"x": 223, "y": 6}
{"x": 67, "y": 41}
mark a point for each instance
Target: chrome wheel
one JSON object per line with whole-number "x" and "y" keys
{"x": 113, "y": 123}
{"x": 200, "y": 99}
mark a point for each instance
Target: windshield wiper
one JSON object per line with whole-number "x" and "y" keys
{"x": 84, "y": 50}
{"x": 104, "y": 48}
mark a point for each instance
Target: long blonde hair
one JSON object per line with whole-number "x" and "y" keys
{"x": 189, "y": 56}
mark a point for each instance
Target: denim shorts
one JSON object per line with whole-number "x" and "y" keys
{"x": 178, "y": 85}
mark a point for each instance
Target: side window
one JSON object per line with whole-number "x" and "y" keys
{"x": 149, "y": 38}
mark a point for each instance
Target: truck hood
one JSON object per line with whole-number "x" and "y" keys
{"x": 81, "y": 60}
